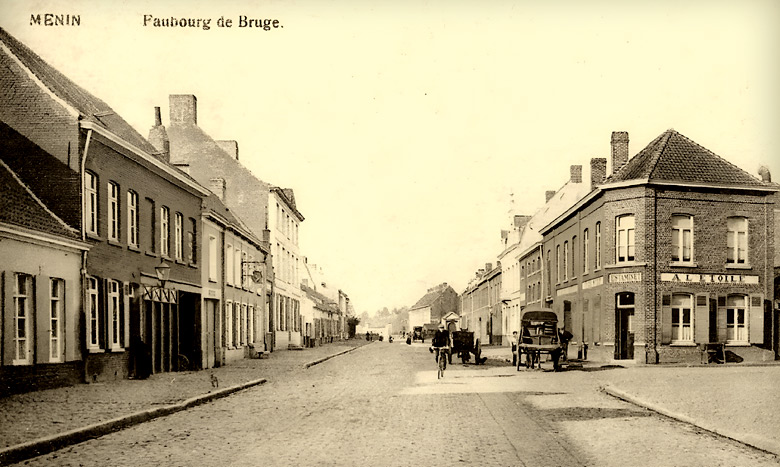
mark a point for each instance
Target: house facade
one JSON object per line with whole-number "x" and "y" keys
{"x": 481, "y": 307}
{"x": 434, "y": 305}
{"x": 672, "y": 253}
{"x": 135, "y": 210}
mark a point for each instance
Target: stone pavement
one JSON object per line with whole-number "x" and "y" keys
{"x": 738, "y": 401}
{"x": 38, "y": 422}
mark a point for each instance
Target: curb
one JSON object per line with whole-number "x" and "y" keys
{"x": 763, "y": 444}
{"x": 323, "y": 359}
{"x": 58, "y": 441}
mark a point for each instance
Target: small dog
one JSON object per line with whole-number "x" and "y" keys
{"x": 214, "y": 381}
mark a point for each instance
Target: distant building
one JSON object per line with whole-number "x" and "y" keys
{"x": 480, "y": 305}
{"x": 437, "y": 302}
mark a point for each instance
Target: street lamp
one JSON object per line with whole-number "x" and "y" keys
{"x": 163, "y": 271}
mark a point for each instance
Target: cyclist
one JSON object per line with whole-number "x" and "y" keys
{"x": 442, "y": 343}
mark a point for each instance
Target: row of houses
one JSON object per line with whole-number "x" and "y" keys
{"x": 671, "y": 251}
{"x": 123, "y": 256}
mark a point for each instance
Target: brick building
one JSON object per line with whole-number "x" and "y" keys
{"x": 481, "y": 308}
{"x": 269, "y": 212}
{"x": 135, "y": 210}
{"x": 671, "y": 253}
{"x": 431, "y": 308}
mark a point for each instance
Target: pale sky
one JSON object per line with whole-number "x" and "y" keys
{"x": 403, "y": 126}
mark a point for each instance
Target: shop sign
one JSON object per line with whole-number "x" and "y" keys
{"x": 593, "y": 283}
{"x": 158, "y": 294}
{"x": 625, "y": 277}
{"x": 709, "y": 278}
{"x": 213, "y": 293}
{"x": 567, "y": 290}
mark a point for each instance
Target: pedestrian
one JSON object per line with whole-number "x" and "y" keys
{"x": 564, "y": 337}
{"x": 514, "y": 348}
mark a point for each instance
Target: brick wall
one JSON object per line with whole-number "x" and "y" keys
{"x": 20, "y": 379}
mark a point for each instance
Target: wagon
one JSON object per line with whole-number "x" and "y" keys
{"x": 538, "y": 336}
{"x": 463, "y": 345}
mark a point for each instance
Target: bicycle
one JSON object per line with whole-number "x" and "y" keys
{"x": 441, "y": 356}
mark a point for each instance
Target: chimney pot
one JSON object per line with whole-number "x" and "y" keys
{"x": 766, "y": 176}
{"x": 218, "y": 186}
{"x": 157, "y": 117}
{"x": 488, "y": 267}
{"x": 548, "y": 195}
{"x": 158, "y": 137}
{"x": 619, "y": 144}
{"x": 576, "y": 173}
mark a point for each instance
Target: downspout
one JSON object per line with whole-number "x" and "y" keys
{"x": 84, "y": 297}
{"x": 655, "y": 276}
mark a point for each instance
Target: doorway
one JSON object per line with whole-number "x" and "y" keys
{"x": 624, "y": 326}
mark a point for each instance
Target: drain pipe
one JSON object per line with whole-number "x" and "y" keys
{"x": 84, "y": 297}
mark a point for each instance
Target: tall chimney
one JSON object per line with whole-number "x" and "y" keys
{"x": 217, "y": 186}
{"x": 598, "y": 171}
{"x": 576, "y": 173}
{"x": 159, "y": 137}
{"x": 184, "y": 109}
{"x": 619, "y": 150}
{"x": 548, "y": 195}
{"x": 230, "y": 147}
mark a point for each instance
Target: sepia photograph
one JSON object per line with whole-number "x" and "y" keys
{"x": 478, "y": 233}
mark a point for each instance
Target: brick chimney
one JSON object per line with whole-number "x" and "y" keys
{"x": 488, "y": 267}
{"x": 184, "y": 109}
{"x": 230, "y": 147}
{"x": 619, "y": 144}
{"x": 159, "y": 137}
{"x": 218, "y": 186}
{"x": 598, "y": 171}
{"x": 548, "y": 195}
{"x": 576, "y": 174}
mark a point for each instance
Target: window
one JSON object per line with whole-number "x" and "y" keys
{"x": 228, "y": 342}
{"x": 192, "y": 242}
{"x": 152, "y": 224}
{"x": 91, "y": 203}
{"x": 737, "y": 240}
{"x": 597, "y": 254}
{"x": 93, "y": 318}
{"x": 244, "y": 324}
{"x": 250, "y": 326}
{"x": 132, "y": 218}
{"x": 558, "y": 263}
{"x": 585, "y": 250}
{"x": 56, "y": 290}
{"x": 114, "y": 318}
{"x": 565, "y": 260}
{"x": 624, "y": 238}
{"x": 574, "y": 255}
{"x": 237, "y": 266}
{"x": 178, "y": 238}
{"x": 736, "y": 329}
{"x": 23, "y": 320}
{"x": 682, "y": 318}
{"x": 212, "y": 258}
{"x": 236, "y": 324}
{"x": 165, "y": 218}
{"x": 682, "y": 238}
{"x": 113, "y": 211}
{"x": 244, "y": 275}
{"x": 229, "y": 264}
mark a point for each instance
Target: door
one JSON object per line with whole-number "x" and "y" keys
{"x": 211, "y": 332}
{"x": 624, "y": 326}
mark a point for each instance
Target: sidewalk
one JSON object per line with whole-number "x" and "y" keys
{"x": 42, "y": 421}
{"x": 738, "y": 401}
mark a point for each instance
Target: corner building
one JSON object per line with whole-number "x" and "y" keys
{"x": 670, "y": 255}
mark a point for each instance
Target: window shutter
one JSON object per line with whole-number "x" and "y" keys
{"x": 666, "y": 319}
{"x": 721, "y": 318}
{"x": 756, "y": 316}
{"x": 701, "y": 319}
{"x": 103, "y": 313}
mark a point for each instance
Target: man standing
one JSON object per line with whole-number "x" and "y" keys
{"x": 514, "y": 348}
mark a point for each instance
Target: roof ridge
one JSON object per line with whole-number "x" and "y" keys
{"x": 62, "y": 223}
{"x": 665, "y": 136}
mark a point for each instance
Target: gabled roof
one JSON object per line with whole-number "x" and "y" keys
{"x": 672, "y": 157}
{"x": 19, "y": 206}
{"x": 321, "y": 302}
{"x": 214, "y": 204}
{"x": 288, "y": 196}
{"x": 431, "y": 296}
{"x": 89, "y": 107}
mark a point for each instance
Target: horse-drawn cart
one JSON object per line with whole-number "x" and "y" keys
{"x": 463, "y": 345}
{"x": 538, "y": 336}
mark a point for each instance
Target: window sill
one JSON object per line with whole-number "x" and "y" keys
{"x": 738, "y": 266}
{"x": 738, "y": 344}
{"x": 115, "y": 243}
{"x": 95, "y": 350}
{"x": 152, "y": 254}
{"x": 212, "y": 281}
{"x": 133, "y": 248}
{"x": 166, "y": 257}
{"x": 683, "y": 344}
{"x": 682, "y": 264}
{"x": 625, "y": 264}
{"x": 193, "y": 265}
{"x": 21, "y": 363}
{"x": 94, "y": 236}
{"x": 178, "y": 261}
{"x": 116, "y": 349}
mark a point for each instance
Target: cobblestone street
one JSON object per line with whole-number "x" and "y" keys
{"x": 382, "y": 404}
